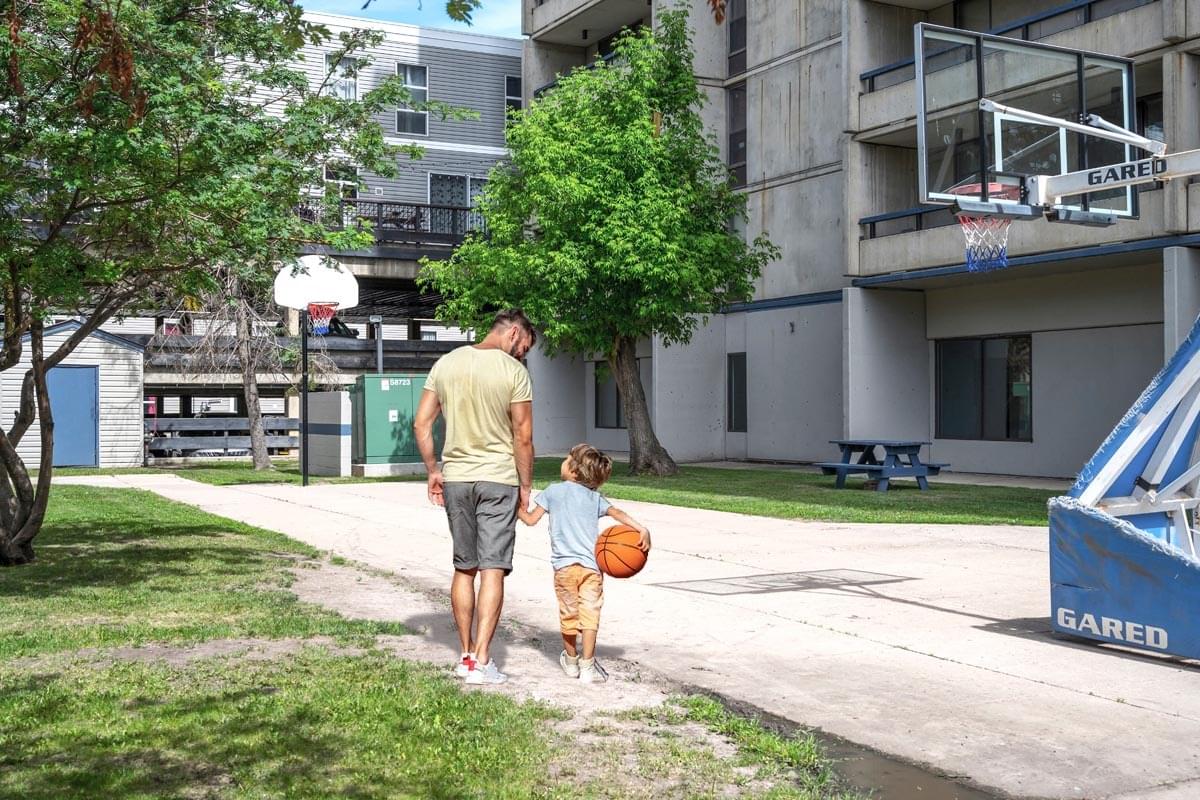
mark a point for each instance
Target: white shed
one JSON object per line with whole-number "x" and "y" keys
{"x": 96, "y": 396}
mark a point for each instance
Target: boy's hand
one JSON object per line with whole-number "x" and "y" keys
{"x": 644, "y": 540}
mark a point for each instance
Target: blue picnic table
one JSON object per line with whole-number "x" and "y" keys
{"x": 901, "y": 459}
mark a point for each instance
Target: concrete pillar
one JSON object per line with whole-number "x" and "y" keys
{"x": 1181, "y": 86}
{"x": 856, "y": 198}
{"x": 544, "y": 62}
{"x": 1181, "y": 295}
{"x": 886, "y": 382}
{"x": 855, "y": 56}
{"x": 1174, "y": 20}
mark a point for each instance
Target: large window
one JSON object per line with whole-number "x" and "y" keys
{"x": 736, "y": 21}
{"x": 608, "y": 399}
{"x": 416, "y": 80}
{"x": 985, "y": 389}
{"x": 735, "y": 393}
{"x": 343, "y": 80}
{"x": 737, "y": 133}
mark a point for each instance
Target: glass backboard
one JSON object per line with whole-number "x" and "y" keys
{"x": 965, "y": 153}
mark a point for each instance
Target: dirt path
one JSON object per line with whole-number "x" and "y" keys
{"x": 623, "y": 739}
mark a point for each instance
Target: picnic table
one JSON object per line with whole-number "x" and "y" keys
{"x": 901, "y": 459}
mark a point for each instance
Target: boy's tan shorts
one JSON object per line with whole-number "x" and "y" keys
{"x": 580, "y": 595}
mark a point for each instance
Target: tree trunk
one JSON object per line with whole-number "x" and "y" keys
{"x": 245, "y": 350}
{"x": 23, "y": 518}
{"x": 646, "y": 455}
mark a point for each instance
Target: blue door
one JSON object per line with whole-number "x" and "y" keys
{"x": 75, "y": 404}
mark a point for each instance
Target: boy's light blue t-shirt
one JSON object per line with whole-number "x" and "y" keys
{"x": 573, "y": 510}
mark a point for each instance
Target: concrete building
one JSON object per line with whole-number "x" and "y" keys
{"x": 870, "y": 324}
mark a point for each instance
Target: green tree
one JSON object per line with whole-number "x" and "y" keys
{"x": 140, "y": 144}
{"x": 614, "y": 220}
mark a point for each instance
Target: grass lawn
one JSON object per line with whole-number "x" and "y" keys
{"x": 783, "y": 493}
{"x": 797, "y": 494}
{"x": 231, "y": 473}
{"x": 80, "y": 719}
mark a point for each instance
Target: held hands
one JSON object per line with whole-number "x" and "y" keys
{"x": 435, "y": 489}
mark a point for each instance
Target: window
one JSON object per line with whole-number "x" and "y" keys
{"x": 985, "y": 389}
{"x": 608, "y": 398}
{"x": 735, "y": 393}
{"x": 737, "y": 133}
{"x": 512, "y": 93}
{"x": 416, "y": 80}
{"x": 343, "y": 80}
{"x": 736, "y": 22}
{"x": 1150, "y": 117}
{"x": 345, "y": 176}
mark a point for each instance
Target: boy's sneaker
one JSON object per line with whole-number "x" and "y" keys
{"x": 486, "y": 673}
{"x": 569, "y": 664}
{"x": 590, "y": 671}
{"x": 463, "y": 668}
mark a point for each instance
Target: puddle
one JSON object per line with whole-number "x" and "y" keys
{"x": 885, "y": 778}
{"x": 878, "y": 776}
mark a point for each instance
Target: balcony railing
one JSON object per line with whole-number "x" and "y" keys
{"x": 415, "y": 223}
{"x": 1036, "y": 26}
{"x": 910, "y": 219}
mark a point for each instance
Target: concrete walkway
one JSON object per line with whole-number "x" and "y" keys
{"x": 929, "y": 642}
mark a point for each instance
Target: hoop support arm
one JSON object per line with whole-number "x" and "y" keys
{"x": 1097, "y": 126}
{"x": 1047, "y": 190}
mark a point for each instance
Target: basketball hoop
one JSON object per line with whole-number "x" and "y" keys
{"x": 986, "y": 228}
{"x": 320, "y": 315}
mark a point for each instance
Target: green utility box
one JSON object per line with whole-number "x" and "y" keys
{"x": 383, "y": 408}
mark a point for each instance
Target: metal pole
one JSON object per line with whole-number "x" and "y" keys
{"x": 379, "y": 347}
{"x": 304, "y": 397}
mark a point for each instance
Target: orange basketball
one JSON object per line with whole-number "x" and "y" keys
{"x": 617, "y": 553}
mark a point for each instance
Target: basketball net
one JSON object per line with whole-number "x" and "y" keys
{"x": 986, "y": 234}
{"x": 320, "y": 315}
{"x": 987, "y": 241}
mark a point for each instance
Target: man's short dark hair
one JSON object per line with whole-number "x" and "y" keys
{"x": 514, "y": 316}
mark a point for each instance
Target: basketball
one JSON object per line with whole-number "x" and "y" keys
{"x": 617, "y": 553}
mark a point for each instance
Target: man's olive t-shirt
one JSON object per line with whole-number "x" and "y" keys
{"x": 475, "y": 388}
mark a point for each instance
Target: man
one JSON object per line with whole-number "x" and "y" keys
{"x": 485, "y": 395}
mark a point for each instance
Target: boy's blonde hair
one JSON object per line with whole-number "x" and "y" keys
{"x": 591, "y": 467}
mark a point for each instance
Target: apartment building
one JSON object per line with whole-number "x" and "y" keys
{"x": 424, "y": 211}
{"x": 870, "y": 324}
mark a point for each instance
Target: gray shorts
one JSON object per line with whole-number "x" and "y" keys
{"x": 483, "y": 524}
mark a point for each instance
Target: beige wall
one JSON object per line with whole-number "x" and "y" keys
{"x": 1083, "y": 383}
{"x": 1084, "y": 299}
{"x": 885, "y": 357}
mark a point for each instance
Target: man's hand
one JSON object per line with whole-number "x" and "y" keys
{"x": 523, "y": 495}
{"x": 435, "y": 488}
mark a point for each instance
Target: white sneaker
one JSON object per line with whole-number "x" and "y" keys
{"x": 486, "y": 673}
{"x": 569, "y": 664}
{"x": 590, "y": 671}
{"x": 463, "y": 668}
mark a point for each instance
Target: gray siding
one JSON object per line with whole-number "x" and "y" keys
{"x": 464, "y": 70}
{"x": 120, "y": 373}
{"x": 411, "y": 185}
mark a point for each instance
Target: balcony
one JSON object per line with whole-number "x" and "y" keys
{"x": 580, "y": 23}
{"x": 928, "y": 236}
{"x": 398, "y": 223}
{"x": 1117, "y": 27}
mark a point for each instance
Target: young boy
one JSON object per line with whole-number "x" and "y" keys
{"x": 574, "y": 506}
